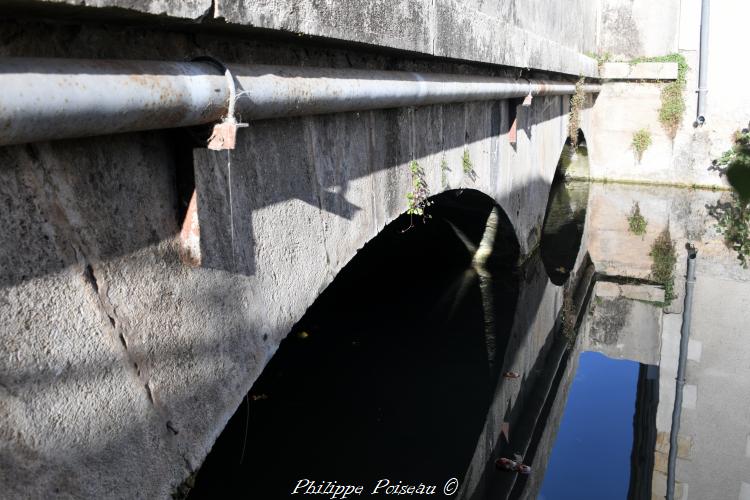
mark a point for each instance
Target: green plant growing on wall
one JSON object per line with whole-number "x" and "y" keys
{"x": 574, "y": 119}
{"x": 636, "y": 221}
{"x": 416, "y": 199}
{"x": 734, "y": 224}
{"x": 601, "y": 58}
{"x": 672, "y": 101}
{"x": 734, "y": 216}
{"x": 641, "y": 142}
{"x": 737, "y": 162}
{"x": 444, "y": 169}
{"x": 468, "y": 166}
{"x": 663, "y": 260}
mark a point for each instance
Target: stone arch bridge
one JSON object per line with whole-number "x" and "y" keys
{"x": 146, "y": 281}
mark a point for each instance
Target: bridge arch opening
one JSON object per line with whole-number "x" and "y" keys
{"x": 574, "y": 159}
{"x": 565, "y": 216}
{"x": 391, "y": 372}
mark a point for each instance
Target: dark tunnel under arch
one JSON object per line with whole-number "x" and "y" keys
{"x": 391, "y": 372}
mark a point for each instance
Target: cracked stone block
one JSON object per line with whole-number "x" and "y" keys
{"x": 607, "y": 289}
{"x": 648, "y": 293}
{"x": 684, "y": 444}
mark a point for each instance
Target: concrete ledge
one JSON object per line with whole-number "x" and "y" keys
{"x": 640, "y": 71}
{"x": 447, "y": 28}
{"x": 645, "y": 293}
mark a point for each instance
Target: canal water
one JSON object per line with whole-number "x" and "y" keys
{"x": 422, "y": 364}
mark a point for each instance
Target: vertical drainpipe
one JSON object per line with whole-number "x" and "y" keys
{"x": 684, "y": 337}
{"x": 703, "y": 63}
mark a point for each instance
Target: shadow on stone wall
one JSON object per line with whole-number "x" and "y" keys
{"x": 103, "y": 323}
{"x": 315, "y": 160}
{"x": 94, "y": 199}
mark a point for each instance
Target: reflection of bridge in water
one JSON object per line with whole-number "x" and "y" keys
{"x": 623, "y": 318}
{"x": 532, "y": 423}
{"x": 418, "y": 393}
{"x": 620, "y": 321}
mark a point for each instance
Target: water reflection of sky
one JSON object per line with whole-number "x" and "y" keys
{"x": 591, "y": 456}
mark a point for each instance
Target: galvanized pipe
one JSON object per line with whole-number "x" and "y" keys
{"x": 60, "y": 98}
{"x": 681, "y": 366}
{"x": 703, "y": 63}
{"x": 45, "y": 99}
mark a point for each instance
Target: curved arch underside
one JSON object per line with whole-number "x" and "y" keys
{"x": 391, "y": 372}
{"x": 517, "y": 176}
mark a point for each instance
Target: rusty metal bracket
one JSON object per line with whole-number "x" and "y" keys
{"x": 224, "y": 134}
{"x": 527, "y": 100}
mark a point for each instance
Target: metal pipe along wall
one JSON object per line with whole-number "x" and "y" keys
{"x": 44, "y": 99}
{"x": 703, "y": 62}
{"x": 681, "y": 368}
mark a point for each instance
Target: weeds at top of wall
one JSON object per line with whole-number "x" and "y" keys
{"x": 574, "y": 121}
{"x": 672, "y": 100}
{"x": 663, "y": 260}
{"x": 641, "y": 142}
{"x": 636, "y": 221}
{"x": 682, "y": 65}
{"x": 601, "y": 58}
